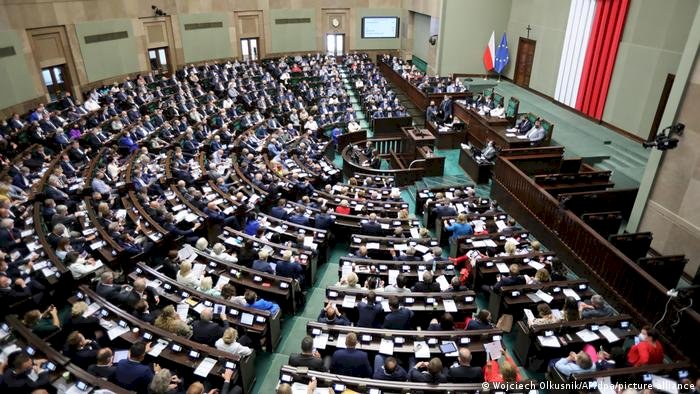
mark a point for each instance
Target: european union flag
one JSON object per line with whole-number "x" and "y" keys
{"x": 502, "y": 57}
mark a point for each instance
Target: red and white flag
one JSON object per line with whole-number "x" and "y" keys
{"x": 490, "y": 53}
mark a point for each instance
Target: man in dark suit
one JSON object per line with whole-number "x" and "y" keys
{"x": 428, "y": 372}
{"x": 446, "y": 109}
{"x": 108, "y": 290}
{"x": 462, "y": 371}
{"x": 427, "y": 285}
{"x": 308, "y": 357}
{"x": 324, "y": 220}
{"x": 369, "y": 312}
{"x": 513, "y": 279}
{"x": 103, "y": 368}
{"x": 141, "y": 291}
{"x": 371, "y": 226}
{"x": 261, "y": 264}
{"x": 16, "y": 378}
{"x": 205, "y": 330}
{"x": 278, "y": 211}
{"x": 142, "y": 312}
{"x": 81, "y": 351}
{"x": 10, "y": 237}
{"x": 350, "y": 361}
{"x": 131, "y": 373}
{"x": 388, "y": 369}
{"x": 399, "y": 318}
{"x": 441, "y": 211}
{"x": 299, "y": 218}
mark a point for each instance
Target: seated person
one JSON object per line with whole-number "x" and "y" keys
{"x": 170, "y": 321}
{"x": 427, "y": 285}
{"x": 502, "y": 370}
{"x": 462, "y": 371}
{"x": 24, "y": 375}
{"x": 308, "y": 357}
{"x": 228, "y": 343}
{"x": 253, "y": 301}
{"x": 596, "y": 307}
{"x": 428, "y": 372}
{"x": 369, "y": 312}
{"x": 546, "y": 316}
{"x": 513, "y": 279}
{"x": 103, "y": 368}
{"x": 331, "y": 315}
{"x": 446, "y": 323}
{"x": 537, "y": 133}
{"x": 207, "y": 331}
{"x": 399, "y": 318}
{"x": 482, "y": 321}
{"x": 575, "y": 363}
{"x": 350, "y": 361}
{"x": 388, "y": 368}
{"x": 648, "y": 351}
{"x": 522, "y": 125}
{"x": 131, "y": 373}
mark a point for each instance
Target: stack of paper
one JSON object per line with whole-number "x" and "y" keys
{"x": 386, "y": 347}
{"x": 449, "y": 305}
{"x": 608, "y": 333}
{"x": 442, "y": 281}
{"x": 340, "y": 341}
{"x": 571, "y": 293}
{"x": 158, "y": 348}
{"x": 349, "y": 301}
{"x": 205, "y": 367}
{"x": 502, "y": 268}
{"x": 549, "y": 341}
{"x": 116, "y": 331}
{"x": 544, "y": 296}
{"x": 320, "y": 341}
{"x": 421, "y": 349}
{"x": 587, "y": 335}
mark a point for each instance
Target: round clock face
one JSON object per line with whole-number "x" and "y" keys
{"x": 335, "y": 22}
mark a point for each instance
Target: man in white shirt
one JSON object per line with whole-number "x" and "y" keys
{"x": 311, "y": 125}
{"x": 537, "y": 133}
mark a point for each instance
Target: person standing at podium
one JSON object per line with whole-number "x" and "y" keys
{"x": 446, "y": 109}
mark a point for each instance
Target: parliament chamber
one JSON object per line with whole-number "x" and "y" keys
{"x": 374, "y": 197}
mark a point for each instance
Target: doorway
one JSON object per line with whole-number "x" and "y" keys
{"x": 249, "y": 48}
{"x": 523, "y": 63}
{"x": 55, "y": 80}
{"x": 158, "y": 58}
{"x": 335, "y": 44}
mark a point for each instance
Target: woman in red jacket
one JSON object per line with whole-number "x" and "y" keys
{"x": 648, "y": 351}
{"x": 343, "y": 208}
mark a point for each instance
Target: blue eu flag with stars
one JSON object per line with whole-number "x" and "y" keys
{"x": 502, "y": 57}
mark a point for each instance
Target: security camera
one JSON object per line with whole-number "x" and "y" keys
{"x": 664, "y": 140}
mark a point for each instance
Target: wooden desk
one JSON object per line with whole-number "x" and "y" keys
{"x": 479, "y": 171}
{"x": 481, "y": 129}
{"x": 450, "y": 139}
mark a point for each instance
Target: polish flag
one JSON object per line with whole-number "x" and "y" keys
{"x": 490, "y": 53}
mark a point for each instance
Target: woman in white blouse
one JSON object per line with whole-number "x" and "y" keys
{"x": 228, "y": 343}
{"x": 219, "y": 251}
{"x": 186, "y": 276}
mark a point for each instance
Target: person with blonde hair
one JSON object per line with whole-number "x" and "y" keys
{"x": 219, "y": 251}
{"x": 206, "y": 286}
{"x": 503, "y": 370}
{"x": 514, "y": 278}
{"x": 261, "y": 264}
{"x": 541, "y": 276}
{"x": 170, "y": 321}
{"x": 228, "y": 343}
{"x": 202, "y": 244}
{"x": 510, "y": 248}
{"x": 460, "y": 227}
{"x": 350, "y": 280}
{"x": 186, "y": 276}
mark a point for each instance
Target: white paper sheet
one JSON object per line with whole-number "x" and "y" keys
{"x": 587, "y": 335}
{"x": 116, "y": 331}
{"x": 571, "y": 293}
{"x": 182, "y": 310}
{"x": 320, "y": 341}
{"x": 494, "y": 349}
{"x": 535, "y": 265}
{"x": 544, "y": 296}
{"x": 449, "y": 305}
{"x": 502, "y": 268}
{"x": 349, "y": 301}
{"x": 442, "y": 281}
{"x": 608, "y": 333}
{"x": 392, "y": 276}
{"x": 421, "y": 349}
{"x": 205, "y": 367}
{"x": 340, "y": 341}
{"x": 158, "y": 348}
{"x": 552, "y": 341}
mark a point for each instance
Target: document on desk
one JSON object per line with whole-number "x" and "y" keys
{"x": 550, "y": 341}
{"x": 372, "y": 245}
{"x": 500, "y": 224}
{"x": 571, "y": 293}
{"x": 428, "y": 257}
{"x": 200, "y": 307}
{"x": 608, "y": 333}
{"x": 321, "y": 340}
{"x": 116, "y": 331}
{"x": 392, "y": 276}
{"x": 185, "y": 253}
{"x": 421, "y": 248}
{"x": 544, "y": 296}
{"x": 205, "y": 367}
{"x": 158, "y": 348}
{"x": 536, "y": 265}
{"x": 385, "y": 306}
{"x": 345, "y": 270}
{"x": 198, "y": 269}
{"x": 502, "y": 268}
{"x": 92, "y": 308}
{"x": 414, "y": 233}
{"x": 386, "y": 346}
{"x": 349, "y": 301}
{"x": 449, "y": 305}
{"x": 490, "y": 243}
{"x": 421, "y": 349}
{"x": 442, "y": 281}
{"x": 533, "y": 297}
{"x": 529, "y": 316}
{"x": 587, "y": 335}
{"x": 221, "y": 282}
{"x": 494, "y": 349}
{"x": 340, "y": 341}
{"x": 182, "y": 310}
{"x": 521, "y": 137}
{"x": 400, "y": 247}
{"x": 510, "y": 134}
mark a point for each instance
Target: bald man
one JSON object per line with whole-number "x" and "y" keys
{"x": 462, "y": 371}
